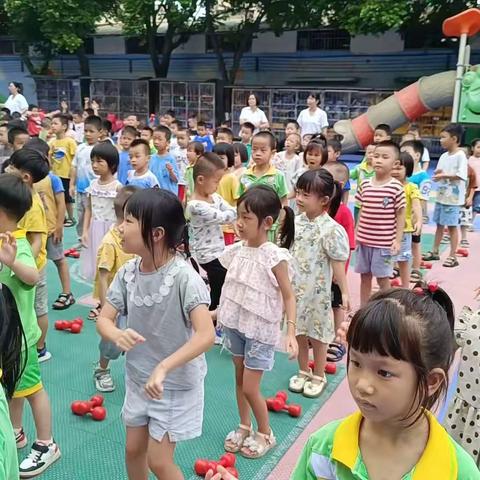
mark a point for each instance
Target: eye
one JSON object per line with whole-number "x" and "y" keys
{"x": 354, "y": 363}
{"x": 385, "y": 374}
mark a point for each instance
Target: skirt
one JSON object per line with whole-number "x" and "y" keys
{"x": 98, "y": 229}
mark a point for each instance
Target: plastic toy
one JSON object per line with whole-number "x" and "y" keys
{"x": 92, "y": 407}
{"x": 72, "y": 253}
{"x": 426, "y": 265}
{"x": 462, "y": 252}
{"x": 227, "y": 460}
{"x": 330, "y": 367}
{"x": 395, "y": 282}
{"x": 279, "y": 404}
{"x": 75, "y": 326}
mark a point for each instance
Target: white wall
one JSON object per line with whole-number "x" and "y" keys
{"x": 109, "y": 45}
{"x": 267, "y": 42}
{"x": 195, "y": 44}
{"x": 389, "y": 42}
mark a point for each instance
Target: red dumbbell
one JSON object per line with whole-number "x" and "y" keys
{"x": 395, "y": 282}
{"x": 202, "y": 466}
{"x": 92, "y": 407}
{"x": 74, "y": 326}
{"x": 330, "y": 367}
{"x": 279, "y": 404}
{"x": 462, "y": 252}
{"x": 426, "y": 265}
{"x": 72, "y": 253}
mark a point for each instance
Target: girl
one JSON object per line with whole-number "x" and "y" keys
{"x": 289, "y": 161}
{"x": 474, "y": 162}
{"x": 100, "y": 211}
{"x": 168, "y": 330}
{"x": 400, "y": 350}
{"x": 241, "y": 159}
{"x": 321, "y": 248}
{"x": 256, "y": 290}
{"x": 194, "y": 151}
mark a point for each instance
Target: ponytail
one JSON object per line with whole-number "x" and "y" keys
{"x": 336, "y": 199}
{"x": 286, "y": 232}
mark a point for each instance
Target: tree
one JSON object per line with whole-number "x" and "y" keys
{"x": 144, "y": 18}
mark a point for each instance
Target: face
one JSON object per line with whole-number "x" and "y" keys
{"x": 411, "y": 152}
{"x": 399, "y": 172}
{"x": 252, "y": 101}
{"x": 261, "y": 151}
{"x": 314, "y": 158}
{"x": 223, "y": 138}
{"x": 382, "y": 387}
{"x": 238, "y": 160}
{"x": 369, "y": 151}
{"x": 100, "y": 166}
{"x": 131, "y": 121}
{"x": 447, "y": 141}
{"x": 290, "y": 128}
{"x": 305, "y": 140}
{"x": 192, "y": 123}
{"x": 247, "y": 223}
{"x": 131, "y": 233}
{"x": 168, "y": 119}
{"x": 12, "y": 88}
{"x": 210, "y": 184}
{"x": 384, "y": 159}
{"x": 182, "y": 139}
{"x": 146, "y": 135}
{"x": 138, "y": 157}
{"x": 291, "y": 143}
{"x": 57, "y": 126}
{"x": 380, "y": 136}
{"x": 126, "y": 140}
{"x": 3, "y": 135}
{"x": 34, "y": 112}
{"x": 332, "y": 154}
{"x": 245, "y": 134}
{"x": 475, "y": 149}
{"x": 160, "y": 141}
{"x": 311, "y": 101}
{"x": 77, "y": 118}
{"x": 202, "y": 130}
{"x": 20, "y": 141}
{"x": 91, "y": 134}
{"x": 174, "y": 128}
{"x": 310, "y": 203}
{"x": 415, "y": 134}
{"x": 191, "y": 155}
{"x": 84, "y": 115}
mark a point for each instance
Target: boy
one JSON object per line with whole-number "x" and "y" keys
{"x": 466, "y": 217}
{"x": 203, "y": 137}
{"x": 382, "y": 133}
{"x": 110, "y": 257}
{"x": 140, "y": 176}
{"x": 146, "y": 133}
{"x": 19, "y": 273}
{"x": 5, "y": 149}
{"x": 62, "y": 151}
{"x": 128, "y": 135}
{"x": 334, "y": 149}
{"x": 223, "y": 135}
{"x": 34, "y": 120}
{"x": 414, "y": 130}
{"x": 381, "y": 221}
{"x": 46, "y": 132}
{"x": 451, "y": 177}
{"x": 180, "y": 153}
{"x": 363, "y": 171}
{"x": 192, "y": 124}
{"x": 81, "y": 173}
{"x": 291, "y": 126}
{"x": 78, "y": 126}
{"x": 246, "y": 134}
{"x": 17, "y": 138}
{"x": 163, "y": 164}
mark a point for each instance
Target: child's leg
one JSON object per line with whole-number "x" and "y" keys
{"x": 42, "y": 321}
{"x": 15, "y": 406}
{"x": 404, "y": 269}
{"x": 216, "y": 278}
{"x": 161, "y": 461}
{"x": 303, "y": 347}
{"x": 365, "y": 287}
{"x": 64, "y": 274}
{"x": 41, "y": 307}
{"x": 453, "y": 232}
{"x": 319, "y": 357}
{"x": 242, "y": 403}
{"x": 463, "y": 233}
{"x": 438, "y": 238}
{"x": 42, "y": 414}
{"x": 416, "y": 254}
{"x": 251, "y": 390}
{"x": 338, "y": 317}
{"x": 383, "y": 283}
{"x": 136, "y": 452}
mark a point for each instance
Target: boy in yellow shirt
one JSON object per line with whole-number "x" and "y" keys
{"x": 62, "y": 151}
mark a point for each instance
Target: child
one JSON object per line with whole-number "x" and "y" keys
{"x": 466, "y": 210}
{"x": 241, "y": 159}
{"x": 207, "y": 211}
{"x": 17, "y": 138}
{"x": 195, "y": 150}
{"x": 451, "y": 176}
{"x": 141, "y": 176}
{"x": 62, "y": 151}
{"x": 413, "y": 215}
{"x": 400, "y": 350}
{"x": 163, "y": 165}
{"x": 129, "y": 134}
{"x": 203, "y": 137}
{"x": 223, "y": 135}
{"x": 45, "y": 133}
{"x": 291, "y": 126}
{"x": 288, "y": 161}
{"x": 100, "y": 212}
{"x": 180, "y": 152}
{"x": 81, "y": 173}
{"x": 19, "y": 273}
{"x": 169, "y": 329}
{"x": 78, "y": 126}
{"x": 474, "y": 162}
{"x": 381, "y": 221}
{"x": 246, "y": 134}
{"x": 257, "y": 290}
{"x": 5, "y": 149}
{"x": 34, "y": 120}
{"x": 414, "y": 130}
{"x": 110, "y": 258}
{"x": 334, "y": 149}
{"x": 382, "y": 133}
{"x": 319, "y": 237}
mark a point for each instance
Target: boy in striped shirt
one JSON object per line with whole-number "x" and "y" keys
{"x": 381, "y": 221}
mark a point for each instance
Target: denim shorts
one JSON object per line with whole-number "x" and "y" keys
{"x": 446, "y": 215}
{"x": 476, "y": 202}
{"x": 377, "y": 261}
{"x": 109, "y": 350}
{"x": 405, "y": 253}
{"x": 258, "y": 355}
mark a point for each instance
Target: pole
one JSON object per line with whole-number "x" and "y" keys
{"x": 458, "y": 78}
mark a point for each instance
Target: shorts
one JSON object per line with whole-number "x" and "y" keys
{"x": 31, "y": 381}
{"x": 179, "y": 413}
{"x": 336, "y": 296}
{"x": 416, "y": 239}
{"x": 41, "y": 294}
{"x": 258, "y": 355}
{"x": 476, "y": 202}
{"x": 377, "y": 261}
{"x": 109, "y": 350}
{"x": 466, "y": 217}
{"x": 405, "y": 253}
{"x": 54, "y": 250}
{"x": 66, "y": 187}
{"x": 446, "y": 215}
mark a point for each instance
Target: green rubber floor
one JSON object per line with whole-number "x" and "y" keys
{"x": 95, "y": 450}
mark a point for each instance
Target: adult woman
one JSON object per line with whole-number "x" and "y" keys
{"x": 313, "y": 119}
{"x": 16, "y": 102}
{"x": 253, "y": 114}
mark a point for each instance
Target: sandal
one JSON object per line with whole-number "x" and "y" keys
{"x": 415, "y": 276}
{"x": 465, "y": 244}
{"x": 314, "y": 387}
{"x": 336, "y": 352}
{"x": 94, "y": 312}
{"x": 252, "y": 448}
{"x": 429, "y": 256}
{"x": 297, "y": 382}
{"x": 395, "y": 273}
{"x": 64, "y": 301}
{"x": 450, "y": 262}
{"x": 236, "y": 438}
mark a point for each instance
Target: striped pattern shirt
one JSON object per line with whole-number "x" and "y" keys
{"x": 377, "y": 225}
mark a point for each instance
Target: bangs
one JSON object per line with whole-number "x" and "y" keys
{"x": 310, "y": 182}
{"x": 314, "y": 146}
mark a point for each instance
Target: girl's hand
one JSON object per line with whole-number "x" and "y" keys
{"x": 84, "y": 240}
{"x": 8, "y": 249}
{"x": 221, "y": 475}
{"x": 154, "y": 386}
{"x": 128, "y": 339}
{"x": 346, "y": 302}
{"x": 342, "y": 333}
{"x": 291, "y": 346}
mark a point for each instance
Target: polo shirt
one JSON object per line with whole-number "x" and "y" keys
{"x": 272, "y": 177}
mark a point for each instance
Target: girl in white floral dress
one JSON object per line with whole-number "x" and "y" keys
{"x": 320, "y": 248}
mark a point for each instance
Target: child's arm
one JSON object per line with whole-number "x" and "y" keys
{"x": 73, "y": 181}
{"x": 35, "y": 240}
{"x": 171, "y": 172}
{"x": 201, "y": 341}
{"x": 86, "y": 221}
{"x": 338, "y": 270}
{"x": 400, "y": 224}
{"x": 102, "y": 285}
{"x": 61, "y": 208}
{"x": 281, "y": 274}
{"x": 417, "y": 216}
{"x": 284, "y": 201}
{"x": 211, "y": 215}
{"x": 8, "y": 254}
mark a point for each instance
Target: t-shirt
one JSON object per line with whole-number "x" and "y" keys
{"x": 24, "y": 294}
{"x": 83, "y": 164}
{"x": 158, "y": 166}
{"x": 311, "y": 123}
{"x": 471, "y": 181}
{"x": 124, "y": 166}
{"x": 424, "y": 183}
{"x": 146, "y": 180}
{"x": 17, "y": 103}
{"x": 62, "y": 152}
{"x": 379, "y": 204}
{"x": 206, "y": 141}
{"x": 289, "y": 167}
{"x": 344, "y": 218}
{"x": 474, "y": 162}
{"x": 333, "y": 453}
{"x": 411, "y": 193}
{"x": 158, "y": 306}
{"x": 272, "y": 177}
{"x": 206, "y": 220}
{"x": 452, "y": 192}
{"x": 34, "y": 124}
{"x": 47, "y": 189}
{"x": 228, "y": 190}
{"x": 360, "y": 173}
{"x": 8, "y": 448}
{"x": 255, "y": 117}
{"x": 35, "y": 221}
{"x": 188, "y": 178}
{"x": 79, "y": 132}
{"x": 180, "y": 155}
{"x": 425, "y": 156}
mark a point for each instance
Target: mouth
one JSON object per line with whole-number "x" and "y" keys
{"x": 364, "y": 404}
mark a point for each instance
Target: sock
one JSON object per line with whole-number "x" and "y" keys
{"x": 47, "y": 443}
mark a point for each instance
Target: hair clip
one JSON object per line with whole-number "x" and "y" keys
{"x": 432, "y": 287}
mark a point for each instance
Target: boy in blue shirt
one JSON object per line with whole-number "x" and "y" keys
{"x": 203, "y": 137}
{"x": 129, "y": 134}
{"x": 163, "y": 164}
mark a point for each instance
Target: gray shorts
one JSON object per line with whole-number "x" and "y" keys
{"x": 405, "y": 253}
{"x": 377, "y": 261}
{"x": 41, "y": 294}
{"x": 109, "y": 350}
{"x": 257, "y": 355}
{"x": 54, "y": 250}
{"x": 179, "y": 413}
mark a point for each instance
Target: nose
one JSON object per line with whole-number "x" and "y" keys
{"x": 364, "y": 386}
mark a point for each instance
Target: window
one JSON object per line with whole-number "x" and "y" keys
{"x": 427, "y": 36}
{"x": 227, "y": 43}
{"x": 326, "y": 39}
{"x": 7, "y": 47}
{"x": 88, "y": 43}
{"x": 135, "y": 45}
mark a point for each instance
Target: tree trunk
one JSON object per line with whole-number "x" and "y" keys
{"x": 83, "y": 62}
{"x": 216, "y": 45}
{"x": 152, "y": 51}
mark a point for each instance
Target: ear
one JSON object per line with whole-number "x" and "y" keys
{"x": 435, "y": 380}
{"x": 268, "y": 222}
{"x": 158, "y": 234}
{"x": 26, "y": 178}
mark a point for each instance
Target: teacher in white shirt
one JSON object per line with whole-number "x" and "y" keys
{"x": 16, "y": 102}
{"x": 313, "y": 119}
{"x": 253, "y": 114}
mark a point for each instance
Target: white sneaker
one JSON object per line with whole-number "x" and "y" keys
{"x": 103, "y": 380}
{"x": 39, "y": 459}
{"x": 43, "y": 355}
{"x": 218, "y": 336}
{"x": 21, "y": 439}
